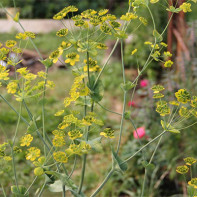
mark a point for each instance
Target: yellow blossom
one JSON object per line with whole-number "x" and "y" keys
{"x": 186, "y": 7}
{"x": 72, "y": 58}
{"x": 32, "y": 153}
{"x": 60, "y": 157}
{"x": 26, "y": 140}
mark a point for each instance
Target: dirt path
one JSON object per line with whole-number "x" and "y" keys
{"x": 34, "y": 25}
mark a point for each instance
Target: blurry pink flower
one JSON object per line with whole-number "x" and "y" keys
{"x": 131, "y": 103}
{"x": 144, "y": 83}
{"x": 140, "y": 132}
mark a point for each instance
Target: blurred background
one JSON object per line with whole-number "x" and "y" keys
{"x": 36, "y": 16}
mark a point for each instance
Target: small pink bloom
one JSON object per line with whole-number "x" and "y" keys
{"x": 140, "y": 132}
{"x": 143, "y": 83}
{"x": 131, "y": 103}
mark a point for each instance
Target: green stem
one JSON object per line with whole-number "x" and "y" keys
{"x": 42, "y": 189}
{"x": 143, "y": 147}
{"x": 145, "y": 174}
{"x": 103, "y": 183}
{"x": 4, "y": 194}
{"x": 43, "y": 111}
{"x": 99, "y": 75}
{"x": 31, "y": 185}
{"x": 63, "y": 191}
{"x": 124, "y": 100}
{"x": 12, "y": 146}
{"x": 74, "y": 165}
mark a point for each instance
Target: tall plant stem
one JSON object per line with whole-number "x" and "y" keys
{"x": 145, "y": 174}
{"x": 103, "y": 183}
{"x": 99, "y": 75}
{"x": 124, "y": 99}
{"x": 143, "y": 147}
{"x": 12, "y": 146}
{"x": 43, "y": 111}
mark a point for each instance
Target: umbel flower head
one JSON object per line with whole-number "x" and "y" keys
{"x": 26, "y": 140}
{"x": 189, "y": 161}
{"x": 183, "y": 96}
{"x": 193, "y": 182}
{"x": 60, "y": 157}
{"x": 32, "y": 153}
{"x": 108, "y": 133}
{"x": 72, "y": 58}
{"x": 182, "y": 169}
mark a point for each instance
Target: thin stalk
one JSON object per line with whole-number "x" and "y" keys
{"x": 145, "y": 174}
{"x": 12, "y": 146}
{"x": 86, "y": 138}
{"x": 31, "y": 185}
{"x": 4, "y": 194}
{"x": 99, "y": 75}
{"x": 42, "y": 189}
{"x": 124, "y": 100}
{"x": 43, "y": 111}
{"x": 74, "y": 165}
{"x": 103, "y": 183}
{"x": 6, "y": 101}
{"x": 143, "y": 147}
{"x": 63, "y": 191}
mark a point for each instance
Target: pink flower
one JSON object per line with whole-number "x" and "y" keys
{"x": 143, "y": 83}
{"x": 140, "y": 132}
{"x": 131, "y": 103}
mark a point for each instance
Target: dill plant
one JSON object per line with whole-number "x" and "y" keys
{"x": 72, "y": 138}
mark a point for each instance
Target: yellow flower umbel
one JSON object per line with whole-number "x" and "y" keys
{"x": 59, "y": 141}
{"x": 26, "y": 140}
{"x": 60, "y": 157}
{"x": 189, "y": 161}
{"x": 162, "y": 108}
{"x": 183, "y": 96}
{"x": 93, "y": 67}
{"x": 74, "y": 134}
{"x": 108, "y": 133}
{"x": 55, "y": 55}
{"x": 186, "y": 7}
{"x": 32, "y": 153}
{"x": 182, "y": 169}
{"x": 193, "y": 182}
{"x": 3, "y": 73}
{"x": 62, "y": 32}
{"x": 168, "y": 63}
{"x": 10, "y": 43}
{"x": 72, "y": 58}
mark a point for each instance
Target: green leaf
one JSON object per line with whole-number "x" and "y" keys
{"x": 127, "y": 86}
{"x": 57, "y": 186}
{"x": 148, "y": 166}
{"x": 82, "y": 101}
{"x": 96, "y": 92}
{"x": 123, "y": 167}
{"x": 19, "y": 192}
{"x": 95, "y": 144}
{"x": 158, "y": 36}
{"x": 47, "y": 62}
{"x": 63, "y": 178}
